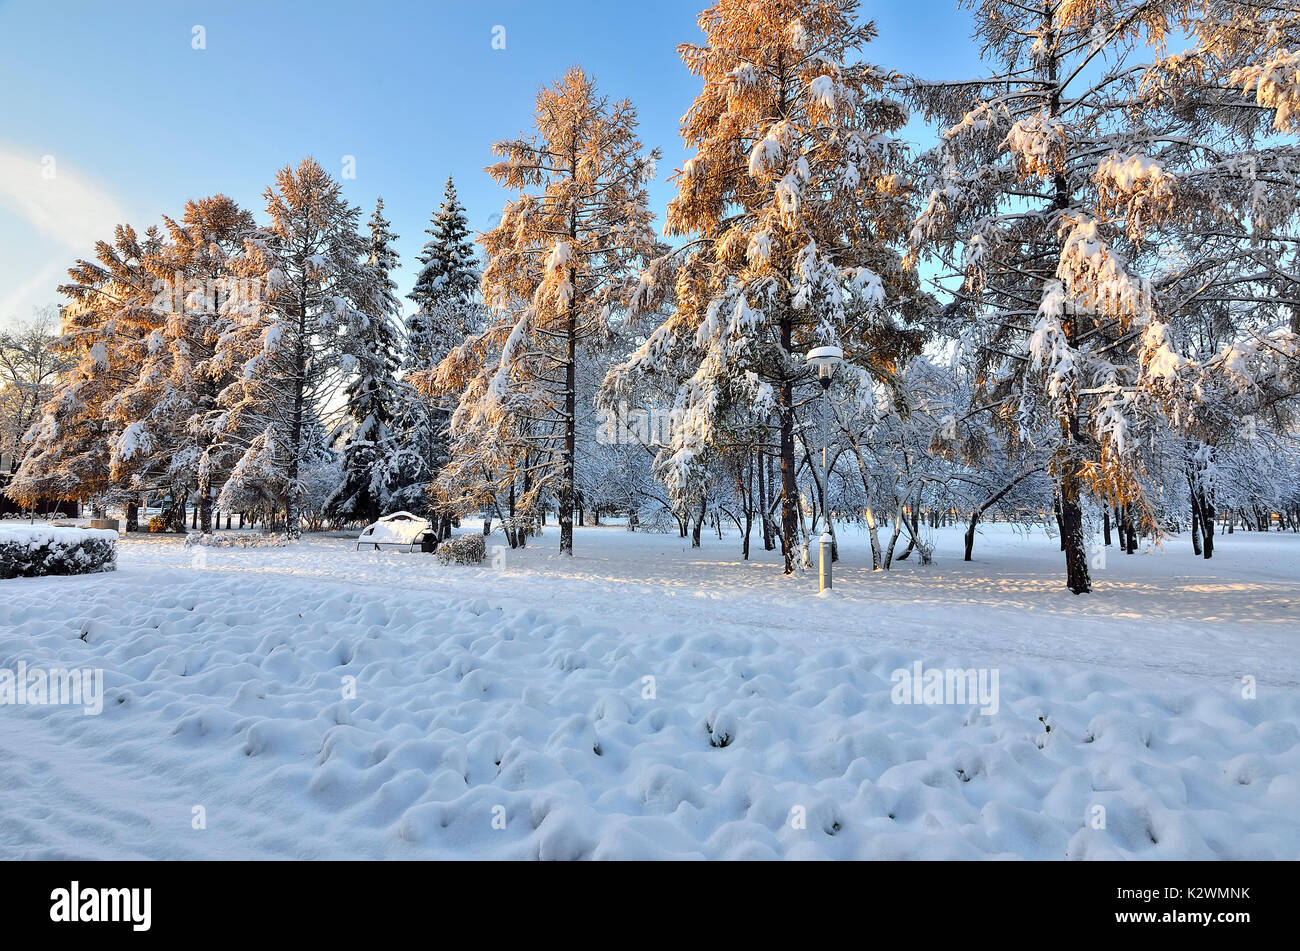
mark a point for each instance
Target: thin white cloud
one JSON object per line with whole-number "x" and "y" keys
{"x": 61, "y": 216}
{"x": 65, "y": 206}
{"x": 36, "y": 290}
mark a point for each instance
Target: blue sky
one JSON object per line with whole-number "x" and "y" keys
{"x": 132, "y": 120}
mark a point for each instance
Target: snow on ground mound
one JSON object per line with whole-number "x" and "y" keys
{"x": 303, "y": 718}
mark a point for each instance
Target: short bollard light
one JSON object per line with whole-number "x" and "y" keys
{"x": 824, "y": 360}
{"x": 824, "y": 558}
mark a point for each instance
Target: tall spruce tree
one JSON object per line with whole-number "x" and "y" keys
{"x": 445, "y": 288}
{"x": 370, "y": 452}
{"x": 447, "y": 312}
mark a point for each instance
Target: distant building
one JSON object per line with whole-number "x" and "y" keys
{"x": 46, "y": 508}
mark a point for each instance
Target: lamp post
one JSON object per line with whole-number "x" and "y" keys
{"x": 824, "y": 360}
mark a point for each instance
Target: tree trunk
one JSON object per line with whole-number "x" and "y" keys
{"x": 1076, "y": 555}
{"x": 748, "y": 507}
{"x": 913, "y": 520}
{"x": 893, "y": 538}
{"x": 174, "y": 515}
{"x": 1196, "y": 525}
{"x": 789, "y": 490}
{"x": 764, "y": 463}
{"x": 1060, "y": 521}
{"x": 1072, "y": 477}
{"x": 568, "y": 476}
{"x": 874, "y": 534}
{"x": 1207, "y": 526}
{"x": 292, "y": 519}
{"x": 1073, "y": 541}
{"x": 512, "y": 525}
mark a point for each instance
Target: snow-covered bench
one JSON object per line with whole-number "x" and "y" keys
{"x": 400, "y": 530}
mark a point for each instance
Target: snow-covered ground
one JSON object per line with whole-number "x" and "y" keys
{"x": 645, "y": 700}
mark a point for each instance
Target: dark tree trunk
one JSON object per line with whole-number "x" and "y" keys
{"x": 1071, "y": 498}
{"x": 512, "y": 526}
{"x": 175, "y": 515}
{"x": 1060, "y": 522}
{"x": 747, "y": 497}
{"x": 1076, "y": 556}
{"x": 789, "y": 490}
{"x": 292, "y": 519}
{"x": 913, "y": 522}
{"x": 764, "y": 464}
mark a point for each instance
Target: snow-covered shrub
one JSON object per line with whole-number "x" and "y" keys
{"x": 236, "y": 540}
{"x": 658, "y": 520}
{"x": 32, "y": 551}
{"x": 463, "y": 550}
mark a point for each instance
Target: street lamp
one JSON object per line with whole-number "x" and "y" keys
{"x": 824, "y": 361}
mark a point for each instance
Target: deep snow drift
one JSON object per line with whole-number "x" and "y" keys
{"x": 645, "y": 700}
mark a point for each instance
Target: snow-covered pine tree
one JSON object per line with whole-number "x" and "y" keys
{"x": 170, "y": 426}
{"x": 447, "y": 313}
{"x": 564, "y": 257}
{"x": 1234, "y": 268}
{"x": 291, "y": 348}
{"x": 1198, "y": 189}
{"x": 1254, "y": 46}
{"x": 103, "y": 326}
{"x": 1059, "y": 183}
{"x": 796, "y": 203}
{"x": 371, "y": 460}
{"x": 445, "y": 288}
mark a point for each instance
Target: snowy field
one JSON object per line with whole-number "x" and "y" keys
{"x": 644, "y": 700}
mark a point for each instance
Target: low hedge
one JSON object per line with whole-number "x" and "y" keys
{"x": 236, "y": 540}
{"x": 462, "y": 550}
{"x": 31, "y": 551}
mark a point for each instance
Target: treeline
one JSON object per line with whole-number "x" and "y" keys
{"x": 1081, "y": 305}
{"x": 252, "y": 369}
